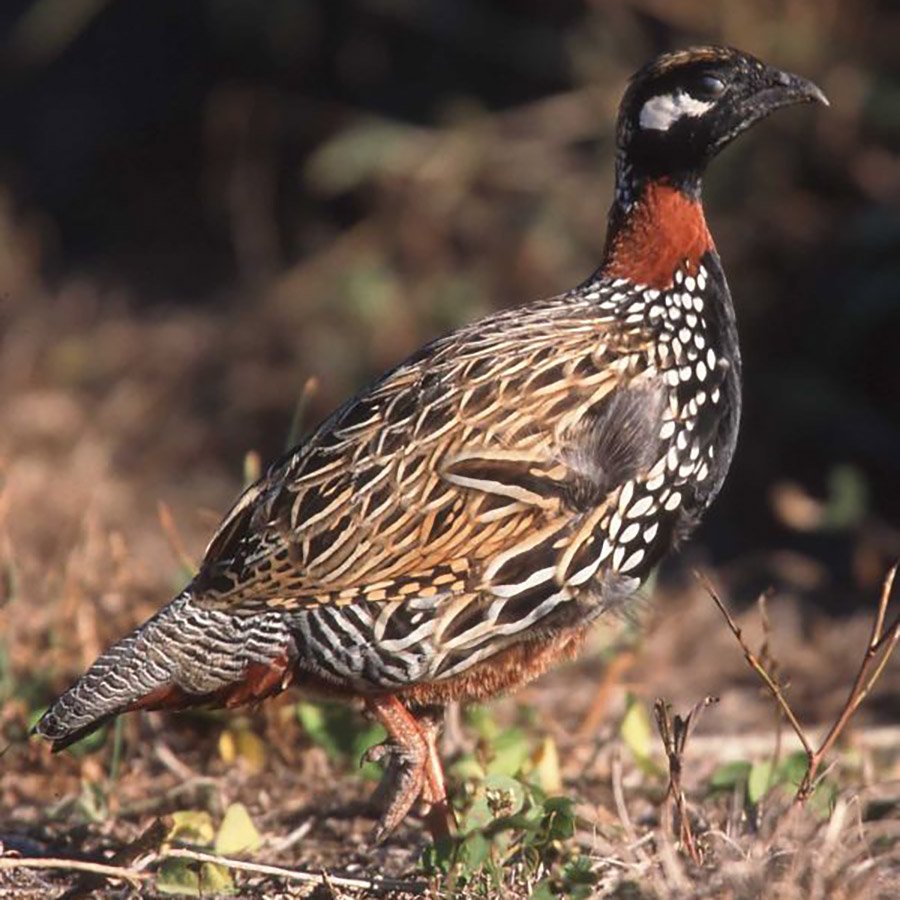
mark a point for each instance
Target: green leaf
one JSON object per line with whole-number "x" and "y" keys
{"x": 543, "y": 890}
{"x": 438, "y": 858}
{"x": 178, "y": 877}
{"x": 505, "y": 795}
{"x": 559, "y": 818}
{"x": 237, "y": 832}
{"x": 181, "y": 877}
{"x": 478, "y": 816}
{"x": 481, "y": 721}
{"x": 511, "y": 749}
{"x": 729, "y": 775}
{"x": 475, "y": 851}
{"x": 467, "y": 768}
{"x": 792, "y": 769}
{"x": 759, "y": 780}
{"x": 580, "y": 871}
{"x": 89, "y": 743}
{"x": 340, "y": 732}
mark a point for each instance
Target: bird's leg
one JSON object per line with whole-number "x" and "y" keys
{"x": 413, "y": 768}
{"x": 440, "y": 817}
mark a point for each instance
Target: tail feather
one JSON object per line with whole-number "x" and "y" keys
{"x": 184, "y": 656}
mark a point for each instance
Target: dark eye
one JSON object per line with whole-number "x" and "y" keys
{"x": 708, "y": 87}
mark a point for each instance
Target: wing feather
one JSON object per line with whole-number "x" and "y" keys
{"x": 453, "y": 474}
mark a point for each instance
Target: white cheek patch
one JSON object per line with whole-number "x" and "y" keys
{"x": 661, "y": 112}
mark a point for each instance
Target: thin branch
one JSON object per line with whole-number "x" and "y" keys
{"x": 757, "y": 666}
{"x": 674, "y": 734}
{"x": 880, "y": 642}
{"x": 73, "y": 865}
{"x": 622, "y": 809}
{"x": 173, "y": 537}
{"x": 369, "y": 884}
{"x": 147, "y": 841}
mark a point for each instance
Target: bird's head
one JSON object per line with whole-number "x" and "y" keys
{"x": 682, "y": 108}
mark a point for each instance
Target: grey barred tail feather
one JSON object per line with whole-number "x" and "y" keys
{"x": 183, "y": 656}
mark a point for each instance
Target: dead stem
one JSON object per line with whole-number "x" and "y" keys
{"x": 675, "y": 733}
{"x": 882, "y": 643}
{"x": 321, "y": 877}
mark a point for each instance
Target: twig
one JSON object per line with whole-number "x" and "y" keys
{"x": 769, "y": 661}
{"x": 599, "y": 708}
{"x": 619, "y": 799}
{"x": 298, "y": 420}
{"x": 882, "y": 643}
{"x": 757, "y": 666}
{"x": 73, "y": 865}
{"x": 147, "y": 841}
{"x": 322, "y": 878}
{"x": 675, "y": 733}
{"x": 173, "y": 537}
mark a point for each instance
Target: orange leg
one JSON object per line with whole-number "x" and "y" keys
{"x": 414, "y": 769}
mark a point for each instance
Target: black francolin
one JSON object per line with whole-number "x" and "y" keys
{"x": 454, "y": 529}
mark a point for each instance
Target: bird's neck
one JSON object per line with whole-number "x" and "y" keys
{"x": 656, "y": 226}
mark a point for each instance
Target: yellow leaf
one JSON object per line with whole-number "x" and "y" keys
{"x": 227, "y": 746}
{"x": 244, "y": 745}
{"x": 546, "y": 767}
{"x": 637, "y": 734}
{"x": 192, "y": 826}
{"x": 237, "y": 832}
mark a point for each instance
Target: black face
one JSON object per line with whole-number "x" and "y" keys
{"x": 684, "y": 107}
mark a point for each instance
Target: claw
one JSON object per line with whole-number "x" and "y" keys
{"x": 376, "y": 753}
{"x": 413, "y": 770}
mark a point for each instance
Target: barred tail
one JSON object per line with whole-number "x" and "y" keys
{"x": 184, "y": 656}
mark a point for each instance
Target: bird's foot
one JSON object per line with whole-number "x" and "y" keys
{"x": 412, "y": 770}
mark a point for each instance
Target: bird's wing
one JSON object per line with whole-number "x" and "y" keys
{"x": 460, "y": 468}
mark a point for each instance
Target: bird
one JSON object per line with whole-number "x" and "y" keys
{"x": 454, "y": 529}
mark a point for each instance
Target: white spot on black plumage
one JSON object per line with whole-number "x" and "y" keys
{"x": 614, "y": 525}
{"x": 633, "y": 561}
{"x": 640, "y": 508}
{"x": 672, "y": 501}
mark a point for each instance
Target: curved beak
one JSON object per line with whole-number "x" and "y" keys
{"x": 785, "y": 89}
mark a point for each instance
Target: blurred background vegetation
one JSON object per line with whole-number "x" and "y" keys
{"x": 203, "y": 205}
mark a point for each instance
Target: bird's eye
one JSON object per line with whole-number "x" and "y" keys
{"x": 708, "y": 87}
